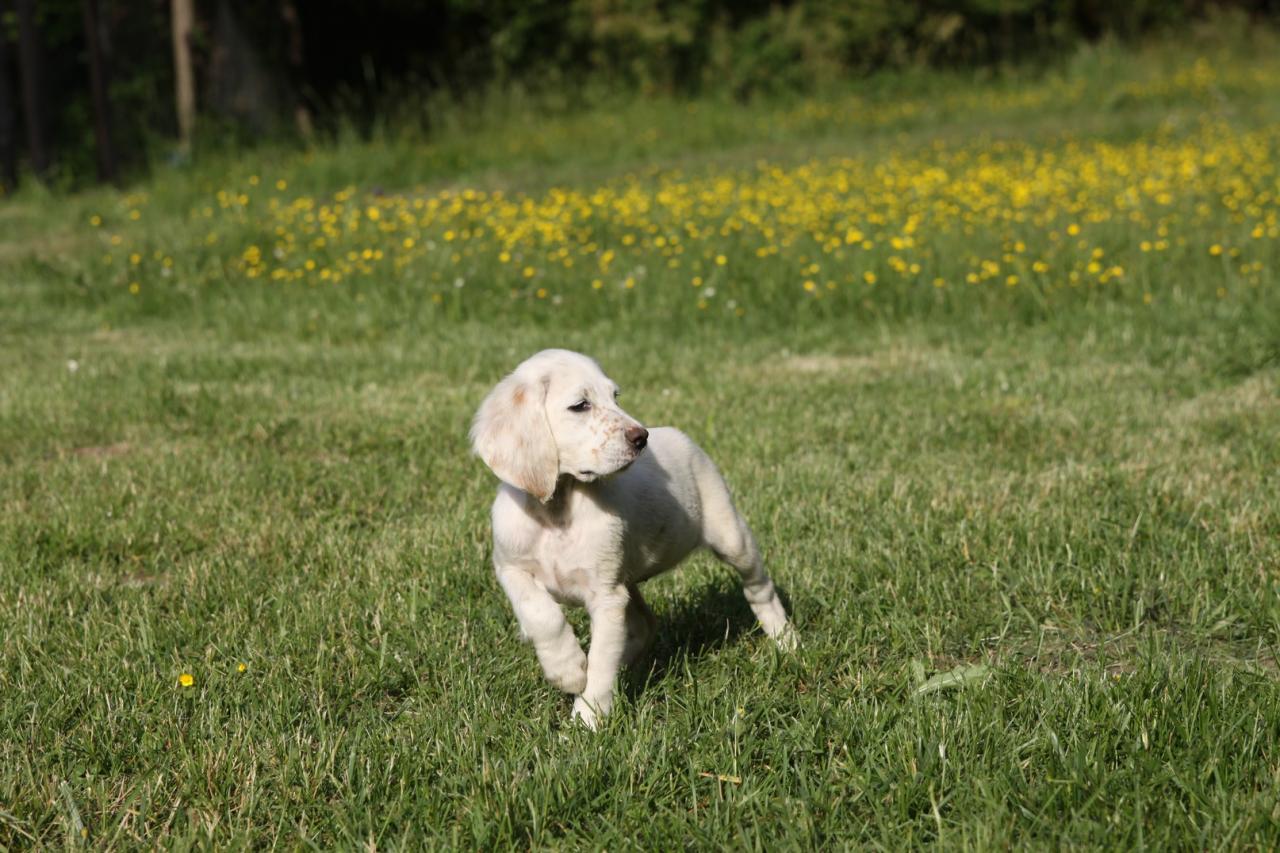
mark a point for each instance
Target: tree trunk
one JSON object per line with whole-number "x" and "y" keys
{"x": 8, "y": 111}
{"x": 32, "y": 86}
{"x": 184, "y": 77}
{"x": 98, "y": 71}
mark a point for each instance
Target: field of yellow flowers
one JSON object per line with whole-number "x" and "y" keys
{"x": 988, "y": 219}
{"x": 992, "y": 366}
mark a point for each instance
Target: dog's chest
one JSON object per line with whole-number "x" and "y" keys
{"x": 569, "y": 562}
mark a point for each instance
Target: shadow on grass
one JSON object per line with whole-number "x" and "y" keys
{"x": 711, "y": 618}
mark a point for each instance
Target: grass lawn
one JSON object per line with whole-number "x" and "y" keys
{"x": 993, "y": 368}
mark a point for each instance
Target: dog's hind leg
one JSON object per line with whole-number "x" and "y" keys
{"x": 642, "y": 627}
{"x": 728, "y": 536}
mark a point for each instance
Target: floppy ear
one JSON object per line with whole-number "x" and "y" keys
{"x": 511, "y": 434}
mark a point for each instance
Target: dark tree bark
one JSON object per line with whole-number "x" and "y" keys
{"x": 240, "y": 85}
{"x": 8, "y": 111}
{"x": 32, "y": 86}
{"x": 99, "y": 68}
{"x": 297, "y": 68}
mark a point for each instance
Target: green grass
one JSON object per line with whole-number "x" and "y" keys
{"x": 1071, "y": 496}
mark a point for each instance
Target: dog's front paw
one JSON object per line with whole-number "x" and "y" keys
{"x": 584, "y": 714}
{"x": 787, "y": 638}
{"x": 570, "y": 681}
{"x": 567, "y": 672}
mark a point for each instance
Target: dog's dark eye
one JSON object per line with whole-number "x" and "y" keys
{"x": 580, "y": 406}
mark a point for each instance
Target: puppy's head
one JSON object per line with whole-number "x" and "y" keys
{"x": 557, "y": 413}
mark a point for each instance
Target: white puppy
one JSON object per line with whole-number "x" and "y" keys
{"x": 584, "y": 515}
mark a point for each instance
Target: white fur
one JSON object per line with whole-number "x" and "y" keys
{"x": 582, "y": 517}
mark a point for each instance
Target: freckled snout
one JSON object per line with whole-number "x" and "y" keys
{"x": 637, "y": 437}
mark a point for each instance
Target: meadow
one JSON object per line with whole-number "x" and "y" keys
{"x": 991, "y": 363}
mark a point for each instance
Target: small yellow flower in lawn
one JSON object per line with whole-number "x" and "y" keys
{"x": 241, "y": 667}
{"x": 186, "y": 679}
{"x": 1215, "y": 250}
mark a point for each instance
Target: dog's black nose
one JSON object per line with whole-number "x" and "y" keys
{"x": 638, "y": 436}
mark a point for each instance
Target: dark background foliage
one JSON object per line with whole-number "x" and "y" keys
{"x": 357, "y": 66}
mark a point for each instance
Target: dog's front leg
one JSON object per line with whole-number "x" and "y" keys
{"x": 543, "y": 623}
{"x": 604, "y": 659}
